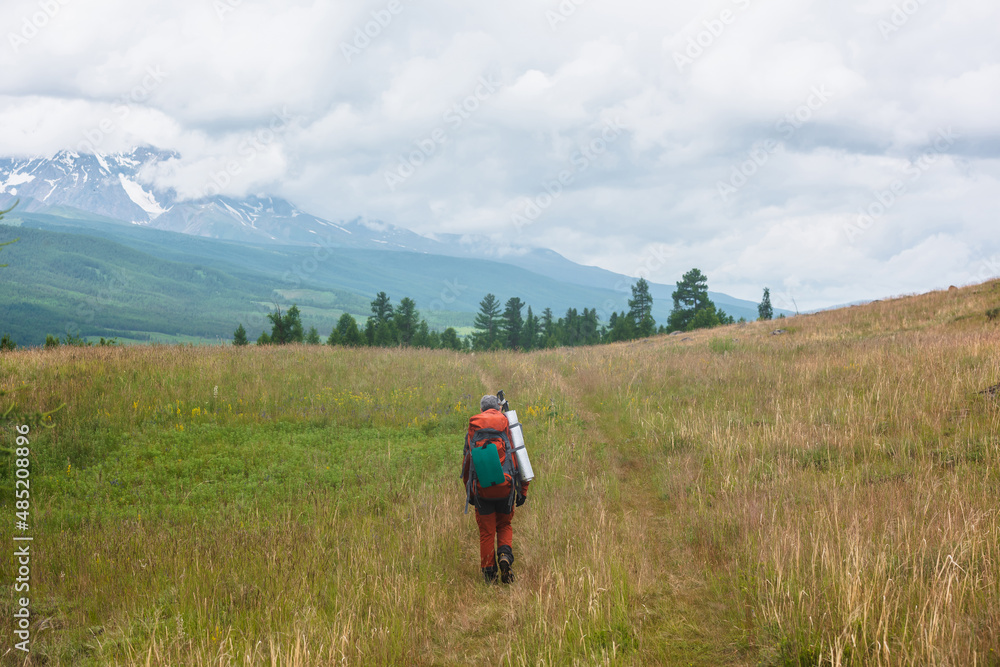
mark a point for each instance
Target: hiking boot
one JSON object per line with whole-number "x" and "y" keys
{"x": 490, "y": 574}
{"x": 506, "y": 576}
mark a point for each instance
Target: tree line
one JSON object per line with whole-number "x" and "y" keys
{"x": 507, "y": 326}
{"x": 387, "y": 326}
{"x": 495, "y": 329}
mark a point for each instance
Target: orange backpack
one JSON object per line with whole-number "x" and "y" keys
{"x": 489, "y": 429}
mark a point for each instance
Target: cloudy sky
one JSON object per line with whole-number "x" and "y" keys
{"x": 834, "y": 151}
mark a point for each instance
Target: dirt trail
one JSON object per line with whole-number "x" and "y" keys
{"x": 679, "y": 617}
{"x": 683, "y": 620}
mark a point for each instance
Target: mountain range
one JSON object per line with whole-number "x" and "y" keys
{"x": 261, "y": 251}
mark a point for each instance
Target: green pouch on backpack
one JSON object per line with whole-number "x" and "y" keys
{"x": 486, "y": 461}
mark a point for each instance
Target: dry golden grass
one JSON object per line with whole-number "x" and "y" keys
{"x": 826, "y": 496}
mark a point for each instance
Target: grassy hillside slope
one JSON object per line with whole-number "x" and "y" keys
{"x": 170, "y": 288}
{"x": 448, "y": 290}
{"x": 824, "y": 496}
{"x": 59, "y": 282}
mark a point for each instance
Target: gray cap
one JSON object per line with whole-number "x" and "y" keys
{"x": 489, "y": 402}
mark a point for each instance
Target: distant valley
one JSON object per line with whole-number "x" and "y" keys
{"x": 101, "y": 253}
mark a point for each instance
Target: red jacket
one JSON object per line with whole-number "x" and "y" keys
{"x": 496, "y": 420}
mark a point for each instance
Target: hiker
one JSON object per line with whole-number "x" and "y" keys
{"x": 493, "y": 490}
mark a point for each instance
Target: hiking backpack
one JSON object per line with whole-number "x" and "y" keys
{"x": 489, "y": 460}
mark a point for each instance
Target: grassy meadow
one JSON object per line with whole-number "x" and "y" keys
{"x": 829, "y": 496}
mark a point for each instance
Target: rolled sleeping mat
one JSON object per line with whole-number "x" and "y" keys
{"x": 518, "y": 443}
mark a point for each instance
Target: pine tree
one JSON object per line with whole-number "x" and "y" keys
{"x": 487, "y": 323}
{"x": 380, "y": 329}
{"x": 589, "y": 327}
{"x": 312, "y": 338}
{"x": 294, "y": 325}
{"x": 346, "y": 332}
{"x": 285, "y": 328}
{"x": 434, "y": 340}
{"x": 422, "y": 337}
{"x": 620, "y": 327}
{"x": 239, "y": 337}
{"x": 406, "y": 318}
{"x": 692, "y": 307}
{"x": 449, "y": 339}
{"x": 529, "y": 332}
{"x": 764, "y": 309}
{"x": 690, "y": 296}
{"x": 382, "y": 307}
{"x": 558, "y": 334}
{"x": 547, "y": 334}
{"x": 511, "y": 326}
{"x": 386, "y": 334}
{"x": 369, "y": 333}
{"x": 704, "y": 318}
{"x": 641, "y": 309}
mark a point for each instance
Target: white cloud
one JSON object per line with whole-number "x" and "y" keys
{"x": 887, "y": 93}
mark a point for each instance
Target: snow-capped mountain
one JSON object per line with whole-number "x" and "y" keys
{"x": 104, "y": 185}
{"x": 109, "y": 185}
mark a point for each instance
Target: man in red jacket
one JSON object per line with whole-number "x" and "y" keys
{"x": 494, "y": 503}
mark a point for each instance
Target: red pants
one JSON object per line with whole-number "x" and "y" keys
{"x": 493, "y": 525}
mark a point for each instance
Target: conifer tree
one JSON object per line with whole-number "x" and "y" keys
{"x": 406, "y": 318}
{"x": 641, "y": 309}
{"x": 423, "y": 336}
{"x": 239, "y": 337}
{"x": 285, "y": 328}
{"x": 512, "y": 324}
{"x": 449, "y": 339}
{"x": 764, "y": 309}
{"x": 690, "y": 296}
{"x": 380, "y": 330}
{"x": 346, "y": 332}
{"x": 692, "y": 307}
{"x": 589, "y": 327}
{"x": 433, "y": 339}
{"x": 382, "y": 307}
{"x": 620, "y": 327}
{"x": 487, "y": 323}
{"x": 547, "y": 334}
{"x": 529, "y": 332}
